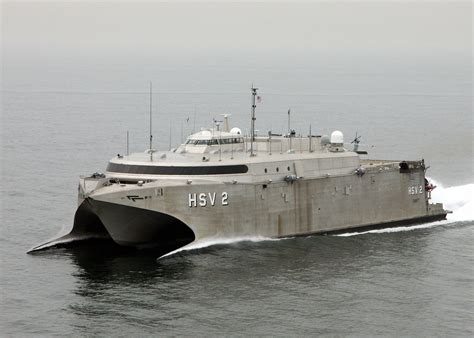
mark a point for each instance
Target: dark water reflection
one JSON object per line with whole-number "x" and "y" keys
{"x": 308, "y": 283}
{"x": 107, "y": 264}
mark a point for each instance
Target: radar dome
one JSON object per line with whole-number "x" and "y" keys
{"x": 236, "y": 131}
{"x": 325, "y": 140}
{"x": 337, "y": 137}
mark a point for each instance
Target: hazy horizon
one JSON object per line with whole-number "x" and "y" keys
{"x": 56, "y": 29}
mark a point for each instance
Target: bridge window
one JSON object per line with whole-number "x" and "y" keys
{"x": 175, "y": 170}
{"x": 216, "y": 141}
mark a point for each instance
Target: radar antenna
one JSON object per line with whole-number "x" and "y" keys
{"x": 217, "y": 123}
{"x": 356, "y": 142}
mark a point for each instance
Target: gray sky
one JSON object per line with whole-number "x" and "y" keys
{"x": 54, "y": 28}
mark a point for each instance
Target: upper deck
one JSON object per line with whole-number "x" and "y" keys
{"x": 212, "y": 154}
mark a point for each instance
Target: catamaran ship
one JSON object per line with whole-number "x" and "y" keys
{"x": 222, "y": 184}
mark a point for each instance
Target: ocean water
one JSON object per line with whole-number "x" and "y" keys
{"x": 63, "y": 119}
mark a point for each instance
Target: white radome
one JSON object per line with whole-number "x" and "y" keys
{"x": 337, "y": 137}
{"x": 236, "y": 131}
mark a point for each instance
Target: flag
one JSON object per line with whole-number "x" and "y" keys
{"x": 259, "y": 99}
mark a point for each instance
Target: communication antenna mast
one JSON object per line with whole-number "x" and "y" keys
{"x": 151, "y": 105}
{"x": 289, "y": 114}
{"x": 218, "y": 123}
{"x": 170, "y": 136}
{"x": 194, "y": 119}
{"x": 252, "y": 126}
{"x": 289, "y": 128}
{"x": 310, "y": 139}
{"x": 356, "y": 142}
{"x": 128, "y": 147}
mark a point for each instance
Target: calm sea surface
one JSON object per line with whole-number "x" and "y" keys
{"x": 61, "y": 120}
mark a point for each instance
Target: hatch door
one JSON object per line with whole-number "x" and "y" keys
{"x": 299, "y": 169}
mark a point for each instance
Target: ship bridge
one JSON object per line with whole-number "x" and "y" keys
{"x": 211, "y": 140}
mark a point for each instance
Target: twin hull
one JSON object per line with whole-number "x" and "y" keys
{"x": 154, "y": 216}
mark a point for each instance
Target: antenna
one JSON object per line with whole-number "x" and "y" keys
{"x": 194, "y": 121}
{"x": 170, "y": 136}
{"x": 151, "y": 105}
{"x": 310, "y": 139}
{"x": 356, "y": 142}
{"x": 128, "y": 153}
{"x": 270, "y": 141}
{"x": 289, "y": 129}
{"x": 187, "y": 127}
{"x": 217, "y": 124}
{"x": 252, "y": 126}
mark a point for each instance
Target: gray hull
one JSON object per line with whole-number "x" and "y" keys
{"x": 175, "y": 217}
{"x": 141, "y": 228}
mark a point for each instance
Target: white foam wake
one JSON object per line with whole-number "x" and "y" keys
{"x": 204, "y": 243}
{"x": 458, "y": 199}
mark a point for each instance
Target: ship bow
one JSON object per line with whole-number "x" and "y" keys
{"x": 142, "y": 228}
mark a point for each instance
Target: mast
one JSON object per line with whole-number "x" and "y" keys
{"x": 151, "y": 105}
{"x": 220, "y": 142}
{"x": 252, "y": 126}
{"x": 128, "y": 148}
{"x": 170, "y": 136}
{"x": 310, "y": 139}
{"x": 194, "y": 119}
{"x": 289, "y": 128}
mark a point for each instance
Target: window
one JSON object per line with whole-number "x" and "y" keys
{"x": 172, "y": 170}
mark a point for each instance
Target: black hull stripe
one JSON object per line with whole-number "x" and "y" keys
{"x": 176, "y": 170}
